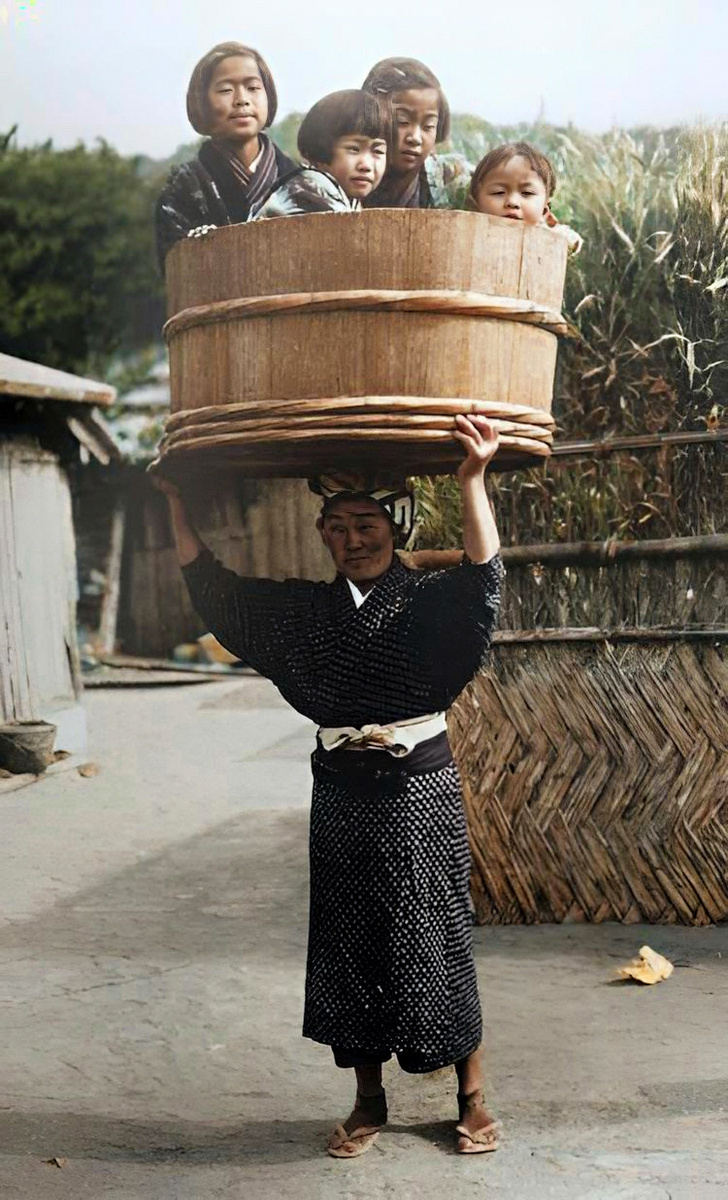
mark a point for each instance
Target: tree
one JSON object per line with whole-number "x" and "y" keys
{"x": 78, "y": 274}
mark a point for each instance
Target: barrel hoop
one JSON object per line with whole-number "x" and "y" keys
{"x": 346, "y": 406}
{"x": 283, "y": 437}
{"x": 291, "y": 428}
{"x": 297, "y": 442}
{"x": 451, "y": 303}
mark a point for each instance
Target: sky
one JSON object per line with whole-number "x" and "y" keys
{"x": 75, "y": 70}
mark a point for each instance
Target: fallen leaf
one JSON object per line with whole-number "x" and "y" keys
{"x": 650, "y": 967}
{"x": 88, "y": 770}
{"x": 56, "y": 1162}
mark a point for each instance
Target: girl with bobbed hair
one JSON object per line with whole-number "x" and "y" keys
{"x": 231, "y": 100}
{"x": 421, "y": 117}
{"x": 343, "y": 142}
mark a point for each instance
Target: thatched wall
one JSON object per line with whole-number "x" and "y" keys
{"x": 678, "y": 592}
{"x": 596, "y": 779}
{"x": 594, "y": 747}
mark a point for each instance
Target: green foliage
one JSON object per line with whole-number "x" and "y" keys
{"x": 699, "y": 280}
{"x": 285, "y": 133}
{"x": 78, "y": 276}
{"x": 620, "y": 195}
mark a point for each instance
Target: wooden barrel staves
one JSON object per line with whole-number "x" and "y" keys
{"x": 352, "y": 340}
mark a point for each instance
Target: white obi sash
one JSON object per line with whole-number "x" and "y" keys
{"x": 399, "y": 738}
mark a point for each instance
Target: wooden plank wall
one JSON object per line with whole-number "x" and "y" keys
{"x": 264, "y": 529}
{"x": 647, "y": 593}
{"x": 39, "y": 667}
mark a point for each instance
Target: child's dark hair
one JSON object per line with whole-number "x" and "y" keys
{"x": 340, "y": 114}
{"x": 198, "y": 104}
{"x": 500, "y": 154}
{"x": 393, "y": 75}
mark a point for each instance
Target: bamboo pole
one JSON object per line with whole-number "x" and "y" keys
{"x": 643, "y": 441}
{"x": 603, "y": 554}
{"x": 112, "y": 593}
{"x": 583, "y": 554}
{"x": 508, "y": 637}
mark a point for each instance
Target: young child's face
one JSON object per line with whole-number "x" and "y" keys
{"x": 237, "y": 99}
{"x": 416, "y": 114}
{"x": 357, "y": 163}
{"x": 513, "y": 190}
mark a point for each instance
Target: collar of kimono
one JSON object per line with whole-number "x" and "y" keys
{"x": 389, "y": 193}
{"x": 354, "y": 204}
{"x": 252, "y": 185}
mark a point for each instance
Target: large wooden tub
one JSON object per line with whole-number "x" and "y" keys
{"x": 327, "y": 340}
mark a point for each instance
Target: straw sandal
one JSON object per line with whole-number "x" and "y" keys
{"x": 351, "y": 1145}
{"x": 483, "y": 1141}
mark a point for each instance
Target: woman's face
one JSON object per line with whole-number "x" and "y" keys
{"x": 358, "y": 535}
{"x": 416, "y": 114}
{"x": 357, "y": 163}
{"x": 513, "y": 190}
{"x": 237, "y": 100}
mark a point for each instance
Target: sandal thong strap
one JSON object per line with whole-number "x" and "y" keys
{"x": 351, "y": 1145}
{"x": 480, "y": 1142}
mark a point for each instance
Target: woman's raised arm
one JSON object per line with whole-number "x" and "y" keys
{"x": 481, "y": 541}
{"x": 189, "y": 546}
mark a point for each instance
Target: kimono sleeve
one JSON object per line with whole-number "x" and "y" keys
{"x": 304, "y": 192}
{"x": 181, "y": 207}
{"x": 247, "y": 616}
{"x": 458, "y": 611}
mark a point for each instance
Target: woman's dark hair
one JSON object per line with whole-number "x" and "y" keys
{"x": 393, "y": 75}
{"x": 198, "y": 105}
{"x": 500, "y": 154}
{"x": 340, "y": 114}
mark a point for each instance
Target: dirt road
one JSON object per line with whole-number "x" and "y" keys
{"x": 152, "y": 950}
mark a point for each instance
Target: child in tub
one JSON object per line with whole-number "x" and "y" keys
{"x": 343, "y": 141}
{"x": 517, "y": 182}
{"x": 416, "y": 177}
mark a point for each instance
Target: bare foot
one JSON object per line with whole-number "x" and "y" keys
{"x": 477, "y": 1123}
{"x": 368, "y": 1111}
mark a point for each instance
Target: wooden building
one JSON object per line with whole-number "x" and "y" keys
{"x": 257, "y": 527}
{"x": 48, "y": 422}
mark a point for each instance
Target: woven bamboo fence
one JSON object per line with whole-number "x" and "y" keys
{"x": 594, "y": 746}
{"x": 595, "y": 774}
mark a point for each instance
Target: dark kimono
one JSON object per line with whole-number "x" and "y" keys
{"x": 390, "y": 965}
{"x": 307, "y": 190}
{"x": 206, "y": 192}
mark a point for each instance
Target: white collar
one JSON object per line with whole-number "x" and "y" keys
{"x": 256, "y": 161}
{"x": 358, "y": 597}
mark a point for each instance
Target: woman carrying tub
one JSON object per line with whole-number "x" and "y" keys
{"x": 375, "y": 659}
{"x": 231, "y": 98}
